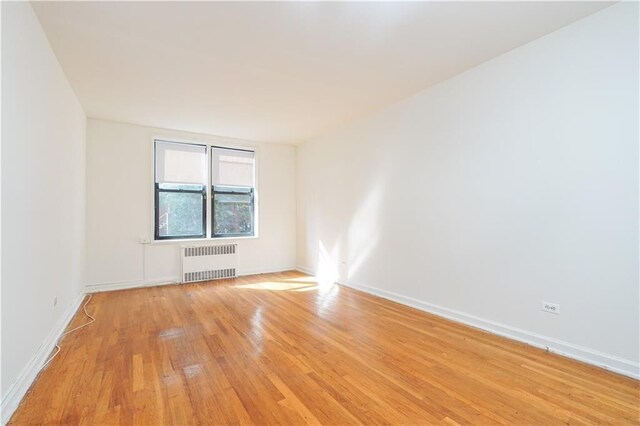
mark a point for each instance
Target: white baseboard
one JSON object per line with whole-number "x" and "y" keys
{"x": 305, "y": 270}
{"x": 266, "y": 271}
{"x": 609, "y": 362}
{"x": 124, "y": 285}
{"x": 18, "y": 390}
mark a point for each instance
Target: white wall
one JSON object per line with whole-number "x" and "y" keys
{"x": 120, "y": 208}
{"x": 43, "y": 194}
{"x": 513, "y": 183}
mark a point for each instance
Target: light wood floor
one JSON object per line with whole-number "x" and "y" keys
{"x": 277, "y": 349}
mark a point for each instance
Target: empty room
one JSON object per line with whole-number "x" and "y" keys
{"x": 336, "y": 213}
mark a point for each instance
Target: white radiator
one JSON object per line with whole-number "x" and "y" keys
{"x": 203, "y": 263}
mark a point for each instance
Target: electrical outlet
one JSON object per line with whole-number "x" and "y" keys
{"x": 343, "y": 269}
{"x": 55, "y": 301}
{"x": 552, "y": 308}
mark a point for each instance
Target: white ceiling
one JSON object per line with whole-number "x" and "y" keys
{"x": 281, "y": 72}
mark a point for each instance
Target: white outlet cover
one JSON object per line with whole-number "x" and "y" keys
{"x": 552, "y": 308}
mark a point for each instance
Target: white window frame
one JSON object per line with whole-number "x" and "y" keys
{"x": 208, "y": 142}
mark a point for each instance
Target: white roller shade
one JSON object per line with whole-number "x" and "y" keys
{"x": 232, "y": 167}
{"x": 181, "y": 163}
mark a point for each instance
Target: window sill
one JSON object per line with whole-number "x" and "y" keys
{"x": 201, "y": 240}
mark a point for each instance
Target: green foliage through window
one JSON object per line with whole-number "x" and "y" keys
{"x": 180, "y": 214}
{"x": 232, "y": 211}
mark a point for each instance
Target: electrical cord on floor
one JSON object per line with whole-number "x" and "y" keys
{"x": 92, "y": 319}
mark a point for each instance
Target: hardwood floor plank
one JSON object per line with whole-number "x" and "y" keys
{"x": 283, "y": 349}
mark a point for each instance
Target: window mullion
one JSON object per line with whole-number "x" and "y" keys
{"x": 209, "y": 196}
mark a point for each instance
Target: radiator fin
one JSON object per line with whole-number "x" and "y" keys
{"x": 209, "y": 275}
{"x": 210, "y": 250}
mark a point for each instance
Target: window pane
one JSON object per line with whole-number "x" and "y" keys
{"x": 233, "y": 214}
{"x": 180, "y": 214}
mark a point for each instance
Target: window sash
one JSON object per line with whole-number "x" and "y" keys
{"x": 227, "y": 190}
{"x": 158, "y": 191}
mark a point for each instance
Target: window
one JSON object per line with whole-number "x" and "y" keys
{"x": 232, "y": 180}
{"x": 183, "y": 183}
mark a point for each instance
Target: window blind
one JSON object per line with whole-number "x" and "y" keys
{"x": 180, "y": 163}
{"x": 232, "y": 167}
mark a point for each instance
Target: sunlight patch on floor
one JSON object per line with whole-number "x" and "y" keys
{"x": 312, "y": 287}
{"x": 308, "y": 279}
{"x": 275, "y": 285}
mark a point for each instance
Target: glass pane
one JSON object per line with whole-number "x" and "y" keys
{"x": 233, "y": 214}
{"x": 180, "y": 214}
